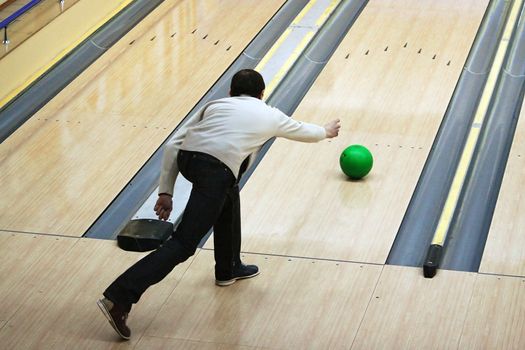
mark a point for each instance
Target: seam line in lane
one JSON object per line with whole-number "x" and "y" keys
{"x": 501, "y": 274}
{"x": 367, "y": 305}
{"x": 467, "y": 312}
{"x": 39, "y": 233}
{"x": 306, "y": 258}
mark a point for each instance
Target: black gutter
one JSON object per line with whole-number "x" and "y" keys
{"x": 420, "y": 221}
{"x": 468, "y": 234}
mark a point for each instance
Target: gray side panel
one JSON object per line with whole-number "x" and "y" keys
{"x": 420, "y": 221}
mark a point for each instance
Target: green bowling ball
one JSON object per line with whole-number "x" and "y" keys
{"x": 356, "y": 161}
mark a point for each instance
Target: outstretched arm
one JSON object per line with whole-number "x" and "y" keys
{"x": 305, "y": 132}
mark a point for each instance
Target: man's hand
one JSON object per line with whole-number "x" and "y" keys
{"x": 332, "y": 128}
{"x": 163, "y": 206}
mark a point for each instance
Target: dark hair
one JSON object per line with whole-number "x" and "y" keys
{"x": 247, "y": 82}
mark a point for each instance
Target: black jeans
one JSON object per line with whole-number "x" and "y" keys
{"x": 214, "y": 202}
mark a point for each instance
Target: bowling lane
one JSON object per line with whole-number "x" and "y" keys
{"x": 62, "y": 168}
{"x": 505, "y": 248}
{"x": 390, "y": 82}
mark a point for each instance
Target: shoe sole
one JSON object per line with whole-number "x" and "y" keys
{"x": 105, "y": 311}
{"x": 233, "y": 280}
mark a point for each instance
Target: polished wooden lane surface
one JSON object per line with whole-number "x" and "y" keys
{"x": 21, "y": 276}
{"x": 408, "y": 311}
{"x": 292, "y": 304}
{"x": 103, "y": 62}
{"x": 454, "y": 310}
{"x": 505, "y": 248}
{"x": 49, "y": 286}
{"x": 65, "y": 165}
{"x": 390, "y": 82}
{"x": 153, "y": 343}
{"x": 496, "y": 314}
{"x": 31, "y": 21}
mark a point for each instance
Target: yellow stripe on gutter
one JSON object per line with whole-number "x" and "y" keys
{"x": 288, "y": 63}
{"x": 320, "y": 21}
{"x": 472, "y": 139}
{"x": 272, "y": 50}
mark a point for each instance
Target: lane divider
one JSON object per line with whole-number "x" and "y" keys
{"x": 288, "y": 63}
{"x": 284, "y": 35}
{"x": 299, "y": 47}
{"x": 435, "y": 250}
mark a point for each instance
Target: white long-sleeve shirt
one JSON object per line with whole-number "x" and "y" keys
{"x": 231, "y": 129}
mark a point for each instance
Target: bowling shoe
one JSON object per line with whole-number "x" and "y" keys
{"x": 239, "y": 272}
{"x": 116, "y": 317}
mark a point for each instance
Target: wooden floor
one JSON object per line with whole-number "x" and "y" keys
{"x": 505, "y": 248}
{"x": 140, "y": 93}
{"x": 319, "y": 240}
{"x": 31, "y": 21}
{"x": 49, "y": 286}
